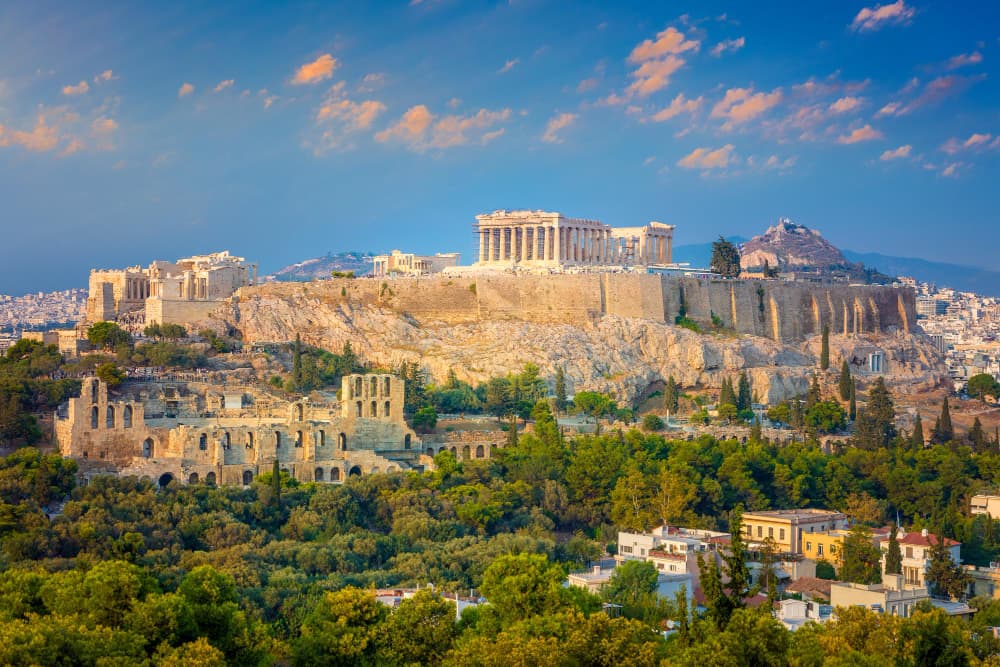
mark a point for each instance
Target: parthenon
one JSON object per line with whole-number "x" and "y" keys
{"x": 551, "y": 240}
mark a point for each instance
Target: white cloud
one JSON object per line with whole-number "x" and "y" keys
{"x": 896, "y": 153}
{"x": 873, "y": 18}
{"x": 976, "y": 140}
{"x": 740, "y": 105}
{"x": 222, "y": 85}
{"x": 555, "y": 124}
{"x": 106, "y": 75}
{"x": 79, "y": 89}
{"x": 420, "y": 130}
{"x": 706, "y": 158}
{"x": 185, "y": 90}
{"x": 964, "y": 59}
{"x": 846, "y": 104}
{"x": 509, "y": 65}
{"x": 728, "y": 45}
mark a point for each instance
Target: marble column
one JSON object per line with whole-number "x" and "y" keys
{"x": 482, "y": 246}
{"x": 524, "y": 243}
{"x": 489, "y": 244}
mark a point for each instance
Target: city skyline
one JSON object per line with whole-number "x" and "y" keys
{"x": 129, "y": 134}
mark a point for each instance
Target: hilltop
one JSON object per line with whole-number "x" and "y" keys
{"x": 321, "y": 267}
{"x": 788, "y": 246}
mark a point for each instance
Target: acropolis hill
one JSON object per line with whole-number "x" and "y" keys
{"x": 609, "y": 331}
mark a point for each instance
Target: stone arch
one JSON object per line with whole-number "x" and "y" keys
{"x": 127, "y": 417}
{"x": 454, "y": 452}
{"x": 110, "y": 417}
{"x": 298, "y": 438}
{"x": 210, "y": 479}
{"x": 374, "y": 409}
{"x": 385, "y": 409}
{"x": 247, "y": 477}
{"x": 357, "y": 386}
{"x": 147, "y": 448}
{"x": 300, "y": 412}
{"x": 318, "y": 474}
{"x": 386, "y": 385}
{"x": 277, "y": 439}
{"x": 93, "y": 417}
{"x": 358, "y": 406}
{"x": 203, "y": 441}
{"x": 373, "y": 470}
{"x": 193, "y": 478}
{"x": 342, "y": 442}
{"x": 859, "y": 317}
{"x": 876, "y": 319}
{"x": 165, "y": 479}
{"x": 334, "y": 474}
{"x": 466, "y": 453}
{"x": 226, "y": 440}
{"x": 250, "y": 439}
{"x": 407, "y": 441}
{"x": 355, "y": 471}
{"x": 374, "y": 386}
{"x": 94, "y": 386}
{"x": 480, "y": 452}
{"x": 321, "y": 438}
{"x": 430, "y": 451}
{"x": 390, "y": 468}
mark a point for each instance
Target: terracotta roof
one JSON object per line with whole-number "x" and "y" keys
{"x": 810, "y": 585}
{"x": 917, "y": 539}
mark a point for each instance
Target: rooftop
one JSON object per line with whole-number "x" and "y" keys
{"x": 804, "y": 514}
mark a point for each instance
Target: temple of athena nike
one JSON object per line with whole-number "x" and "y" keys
{"x": 542, "y": 240}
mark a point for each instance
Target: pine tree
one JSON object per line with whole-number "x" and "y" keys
{"x": 977, "y": 437}
{"x": 845, "y": 381}
{"x": 917, "y": 437}
{"x": 671, "y": 396}
{"x": 944, "y": 432}
{"x": 744, "y": 400}
{"x": 815, "y": 395}
{"x": 894, "y": 557}
{"x": 852, "y": 408}
{"x": 560, "y": 389}
{"x": 876, "y": 424}
{"x": 824, "y": 355}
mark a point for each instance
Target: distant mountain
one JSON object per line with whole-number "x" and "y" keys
{"x": 322, "y": 267}
{"x": 962, "y": 278}
{"x": 787, "y": 246}
{"x": 699, "y": 255}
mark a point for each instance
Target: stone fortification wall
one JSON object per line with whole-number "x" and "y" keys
{"x": 781, "y": 311}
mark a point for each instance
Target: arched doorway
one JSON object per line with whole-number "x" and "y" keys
{"x": 127, "y": 417}
{"x": 298, "y": 438}
{"x": 342, "y": 441}
{"x": 318, "y": 475}
{"x": 93, "y": 417}
{"x": 147, "y": 448}
{"x": 111, "y": 417}
{"x": 355, "y": 471}
{"x": 430, "y": 451}
{"x": 407, "y": 441}
{"x": 373, "y": 470}
{"x": 247, "y": 477}
{"x": 466, "y": 453}
{"x": 210, "y": 479}
{"x": 165, "y": 479}
{"x": 300, "y": 412}
{"x": 385, "y": 409}
{"x": 479, "y": 451}
{"x": 334, "y": 474}
{"x": 193, "y": 478}
{"x": 203, "y": 442}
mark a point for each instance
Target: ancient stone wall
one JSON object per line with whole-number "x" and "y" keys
{"x": 781, "y": 311}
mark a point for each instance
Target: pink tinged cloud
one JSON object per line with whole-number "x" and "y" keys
{"x": 106, "y": 75}
{"x": 420, "y": 129}
{"x": 185, "y": 90}
{"x": 104, "y": 126}
{"x": 976, "y": 140}
{"x": 890, "y": 109}
{"x": 706, "y": 158}
{"x": 864, "y": 133}
{"x": 951, "y": 170}
{"x": 222, "y": 85}
{"x": 586, "y": 85}
{"x": 74, "y": 146}
{"x": 79, "y": 89}
{"x": 509, "y": 65}
{"x": 678, "y": 105}
{"x": 42, "y": 138}
{"x": 729, "y": 45}
{"x": 964, "y": 60}
{"x": 410, "y": 127}
{"x": 670, "y": 41}
{"x": 555, "y": 124}
{"x": 846, "y": 104}
{"x": 315, "y": 71}
{"x": 740, "y": 105}
{"x": 896, "y": 153}
{"x": 357, "y": 115}
{"x": 939, "y": 89}
{"x": 873, "y": 18}
{"x": 654, "y": 75}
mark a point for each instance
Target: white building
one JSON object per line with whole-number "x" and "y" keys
{"x": 916, "y": 551}
{"x": 409, "y": 264}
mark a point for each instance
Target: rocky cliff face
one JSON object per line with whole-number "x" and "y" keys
{"x": 787, "y": 246}
{"x": 625, "y": 356}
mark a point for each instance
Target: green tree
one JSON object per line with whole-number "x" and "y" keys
{"x": 744, "y": 398}
{"x": 824, "y": 354}
{"x": 725, "y": 258}
{"x": 977, "y": 438}
{"x": 727, "y": 586}
{"x": 826, "y": 417}
{"x": 652, "y": 422}
{"x": 780, "y": 413}
{"x": 860, "y": 558}
{"x": 917, "y": 437}
{"x": 845, "y": 382}
{"x": 107, "y": 335}
{"x": 982, "y": 385}
{"x": 560, "y": 390}
{"x": 345, "y": 628}
{"x": 276, "y": 483}
{"x": 894, "y": 556}
{"x": 815, "y": 395}
{"x": 425, "y": 419}
{"x": 110, "y": 374}
{"x": 520, "y": 586}
{"x": 852, "y": 408}
{"x": 726, "y": 394}
{"x": 876, "y": 427}
{"x": 420, "y": 630}
{"x": 943, "y": 430}
{"x": 944, "y": 575}
{"x": 633, "y": 585}
{"x": 594, "y": 404}
{"x": 671, "y": 396}
{"x": 728, "y": 412}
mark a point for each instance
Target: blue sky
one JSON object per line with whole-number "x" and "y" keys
{"x": 134, "y": 131}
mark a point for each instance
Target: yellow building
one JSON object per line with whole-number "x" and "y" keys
{"x": 825, "y": 546}
{"x": 788, "y": 528}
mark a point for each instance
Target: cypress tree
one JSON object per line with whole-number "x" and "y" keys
{"x": 917, "y": 437}
{"x": 297, "y": 361}
{"x": 852, "y": 409}
{"x": 276, "y": 483}
{"x": 893, "y": 557}
{"x": 815, "y": 395}
{"x": 726, "y": 393}
{"x": 743, "y": 397}
{"x": 824, "y": 355}
{"x": 671, "y": 396}
{"x": 845, "y": 381}
{"x": 944, "y": 432}
{"x": 560, "y": 389}
{"x": 976, "y": 436}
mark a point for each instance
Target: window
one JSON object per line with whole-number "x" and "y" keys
{"x": 809, "y": 546}
{"x": 909, "y": 552}
{"x": 819, "y": 549}
{"x": 833, "y": 548}
{"x": 203, "y": 442}
{"x": 770, "y": 531}
{"x": 760, "y": 531}
{"x": 626, "y": 550}
{"x": 781, "y": 534}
